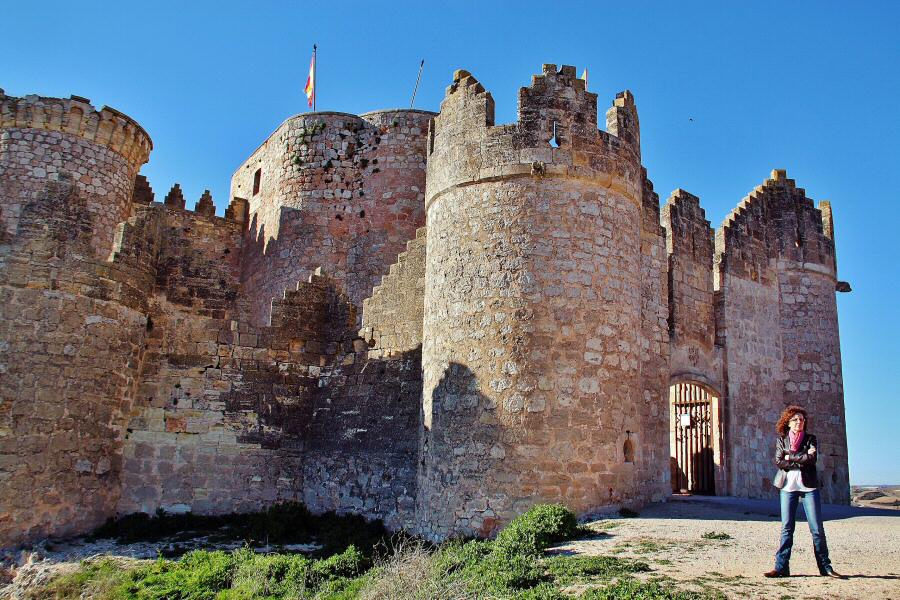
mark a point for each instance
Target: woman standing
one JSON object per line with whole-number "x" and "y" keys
{"x": 795, "y": 455}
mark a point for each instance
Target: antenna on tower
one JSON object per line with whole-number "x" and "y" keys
{"x": 418, "y": 78}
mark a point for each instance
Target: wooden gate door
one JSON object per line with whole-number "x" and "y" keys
{"x": 693, "y": 464}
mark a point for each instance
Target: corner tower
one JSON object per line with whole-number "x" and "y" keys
{"x": 776, "y": 271}
{"x": 43, "y": 140}
{"x": 73, "y": 310}
{"x": 531, "y": 352}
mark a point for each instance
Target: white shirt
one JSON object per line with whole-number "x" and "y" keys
{"x": 794, "y": 482}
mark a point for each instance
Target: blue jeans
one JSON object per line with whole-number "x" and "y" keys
{"x": 812, "y": 506}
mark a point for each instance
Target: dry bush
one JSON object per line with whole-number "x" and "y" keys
{"x": 410, "y": 573}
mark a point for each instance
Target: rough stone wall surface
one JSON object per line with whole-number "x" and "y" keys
{"x": 812, "y": 369}
{"x": 71, "y": 332}
{"x": 223, "y": 407}
{"x": 392, "y": 316}
{"x": 339, "y": 191}
{"x": 692, "y": 326}
{"x": 363, "y": 439}
{"x": 655, "y": 349}
{"x": 775, "y": 269}
{"x": 100, "y": 152}
{"x": 531, "y": 353}
{"x": 199, "y": 263}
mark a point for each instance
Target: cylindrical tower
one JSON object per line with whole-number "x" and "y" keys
{"x": 332, "y": 190}
{"x": 532, "y": 307}
{"x": 99, "y": 151}
{"x": 72, "y": 322}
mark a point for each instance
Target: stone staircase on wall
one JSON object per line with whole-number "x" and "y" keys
{"x": 392, "y": 316}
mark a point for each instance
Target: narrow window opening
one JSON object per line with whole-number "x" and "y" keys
{"x": 554, "y": 141}
{"x": 628, "y": 451}
{"x": 257, "y": 177}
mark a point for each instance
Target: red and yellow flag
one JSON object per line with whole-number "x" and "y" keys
{"x": 584, "y": 77}
{"x": 311, "y": 80}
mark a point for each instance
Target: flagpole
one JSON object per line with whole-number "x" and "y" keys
{"x": 416, "y": 89}
{"x": 315, "y": 78}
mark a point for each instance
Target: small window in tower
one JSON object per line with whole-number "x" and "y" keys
{"x": 628, "y": 451}
{"x": 256, "y": 179}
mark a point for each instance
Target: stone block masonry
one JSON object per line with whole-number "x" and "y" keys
{"x": 424, "y": 318}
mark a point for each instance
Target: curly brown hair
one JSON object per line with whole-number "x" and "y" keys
{"x": 788, "y": 414}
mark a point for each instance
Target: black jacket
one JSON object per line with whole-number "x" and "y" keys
{"x": 801, "y": 460}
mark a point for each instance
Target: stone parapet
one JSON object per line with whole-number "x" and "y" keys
{"x": 76, "y": 116}
{"x": 556, "y": 136}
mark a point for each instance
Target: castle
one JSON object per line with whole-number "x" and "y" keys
{"x": 422, "y": 317}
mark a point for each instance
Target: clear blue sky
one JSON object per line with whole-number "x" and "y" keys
{"x": 811, "y": 87}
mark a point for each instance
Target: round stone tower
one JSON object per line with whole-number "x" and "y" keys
{"x": 72, "y": 318}
{"x": 99, "y": 151}
{"x": 532, "y": 307}
{"x": 332, "y": 190}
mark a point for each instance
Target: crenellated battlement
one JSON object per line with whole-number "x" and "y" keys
{"x": 76, "y": 116}
{"x": 686, "y": 225}
{"x": 556, "y": 135}
{"x": 775, "y": 221}
{"x": 205, "y": 207}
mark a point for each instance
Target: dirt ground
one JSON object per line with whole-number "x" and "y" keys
{"x": 864, "y": 544}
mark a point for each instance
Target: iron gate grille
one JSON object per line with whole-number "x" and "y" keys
{"x": 693, "y": 465}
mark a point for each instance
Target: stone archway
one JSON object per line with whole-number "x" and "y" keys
{"x": 695, "y": 435}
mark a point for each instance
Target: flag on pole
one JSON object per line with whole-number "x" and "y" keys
{"x": 584, "y": 76}
{"x": 311, "y": 80}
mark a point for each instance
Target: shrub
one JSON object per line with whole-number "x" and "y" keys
{"x": 199, "y": 575}
{"x": 347, "y": 564}
{"x": 536, "y": 530}
{"x": 414, "y": 571}
{"x": 628, "y": 513}
{"x": 259, "y": 575}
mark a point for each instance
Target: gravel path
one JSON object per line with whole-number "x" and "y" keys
{"x": 864, "y": 544}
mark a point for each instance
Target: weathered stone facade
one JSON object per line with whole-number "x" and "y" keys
{"x": 421, "y": 317}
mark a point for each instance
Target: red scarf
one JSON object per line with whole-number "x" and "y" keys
{"x": 796, "y": 440}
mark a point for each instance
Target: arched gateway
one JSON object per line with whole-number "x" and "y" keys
{"x": 695, "y": 439}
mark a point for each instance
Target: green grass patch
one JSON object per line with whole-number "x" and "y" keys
{"x": 576, "y": 569}
{"x": 99, "y": 580}
{"x": 629, "y": 588}
{"x": 715, "y": 535}
{"x": 513, "y": 566}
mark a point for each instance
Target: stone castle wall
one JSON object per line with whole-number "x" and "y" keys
{"x": 363, "y": 436}
{"x": 318, "y": 344}
{"x": 71, "y": 342}
{"x": 71, "y": 323}
{"x": 651, "y": 440}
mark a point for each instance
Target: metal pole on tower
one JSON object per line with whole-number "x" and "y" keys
{"x": 315, "y": 77}
{"x": 418, "y": 78}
